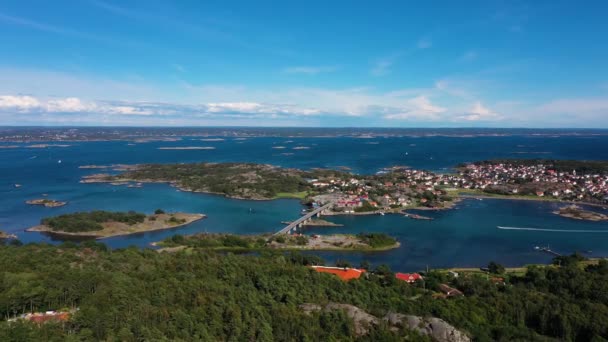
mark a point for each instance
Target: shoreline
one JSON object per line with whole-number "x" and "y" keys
{"x": 287, "y": 249}
{"x": 540, "y": 199}
{"x": 330, "y": 242}
{"x": 86, "y": 235}
{"x": 126, "y": 181}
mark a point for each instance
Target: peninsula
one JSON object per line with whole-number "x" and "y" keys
{"x": 103, "y": 224}
{"x": 49, "y": 203}
{"x": 235, "y": 180}
{"x": 230, "y": 242}
{"x": 389, "y": 191}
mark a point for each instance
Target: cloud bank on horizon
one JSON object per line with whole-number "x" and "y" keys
{"x": 493, "y": 64}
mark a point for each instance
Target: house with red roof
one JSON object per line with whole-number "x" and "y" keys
{"x": 409, "y": 277}
{"x": 343, "y": 273}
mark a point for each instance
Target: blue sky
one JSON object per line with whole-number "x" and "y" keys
{"x": 308, "y": 63}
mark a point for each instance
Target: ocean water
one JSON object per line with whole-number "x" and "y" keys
{"x": 466, "y": 236}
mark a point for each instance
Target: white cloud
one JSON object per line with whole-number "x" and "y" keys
{"x": 258, "y": 108}
{"x": 419, "y": 108}
{"x": 309, "y": 70}
{"x": 60, "y": 98}
{"x": 18, "y": 103}
{"x": 29, "y": 104}
{"x": 70, "y": 105}
{"x": 480, "y": 113}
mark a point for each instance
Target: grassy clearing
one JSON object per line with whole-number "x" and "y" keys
{"x": 297, "y": 195}
{"x": 482, "y": 194}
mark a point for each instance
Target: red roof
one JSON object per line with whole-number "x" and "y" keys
{"x": 43, "y": 318}
{"x": 343, "y": 272}
{"x": 408, "y": 277}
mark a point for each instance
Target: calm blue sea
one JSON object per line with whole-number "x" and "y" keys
{"x": 466, "y": 236}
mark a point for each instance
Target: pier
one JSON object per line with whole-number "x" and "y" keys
{"x": 302, "y": 220}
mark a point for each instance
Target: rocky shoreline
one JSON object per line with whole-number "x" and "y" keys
{"x": 577, "y": 213}
{"x": 137, "y": 183}
{"x": 153, "y": 222}
{"x": 4, "y": 236}
{"x": 48, "y": 203}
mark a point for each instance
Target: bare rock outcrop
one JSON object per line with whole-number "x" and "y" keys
{"x": 436, "y": 328}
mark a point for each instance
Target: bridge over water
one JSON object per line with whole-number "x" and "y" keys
{"x": 302, "y": 220}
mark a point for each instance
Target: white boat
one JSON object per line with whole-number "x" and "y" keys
{"x": 59, "y": 161}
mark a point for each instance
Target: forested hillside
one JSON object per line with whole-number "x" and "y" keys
{"x": 132, "y": 294}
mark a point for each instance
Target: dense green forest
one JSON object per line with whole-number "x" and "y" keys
{"x": 134, "y": 295}
{"x": 580, "y": 166}
{"x": 90, "y": 221}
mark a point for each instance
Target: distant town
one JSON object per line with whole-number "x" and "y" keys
{"x": 397, "y": 188}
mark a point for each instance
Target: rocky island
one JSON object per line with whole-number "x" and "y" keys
{"x": 231, "y": 242}
{"x": 578, "y": 213}
{"x": 4, "y": 236}
{"x": 49, "y": 203}
{"x": 102, "y": 224}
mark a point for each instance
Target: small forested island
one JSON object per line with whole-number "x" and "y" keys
{"x": 342, "y": 242}
{"x": 49, "y": 203}
{"x": 102, "y": 224}
{"x": 578, "y": 213}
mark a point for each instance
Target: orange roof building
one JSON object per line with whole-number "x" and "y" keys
{"x": 48, "y": 317}
{"x": 408, "y": 277}
{"x": 344, "y": 273}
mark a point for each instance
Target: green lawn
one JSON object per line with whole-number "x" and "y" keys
{"x": 296, "y": 195}
{"x": 477, "y": 192}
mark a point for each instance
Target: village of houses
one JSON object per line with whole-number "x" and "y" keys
{"x": 402, "y": 187}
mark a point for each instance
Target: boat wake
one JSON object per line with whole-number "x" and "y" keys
{"x": 553, "y": 230}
